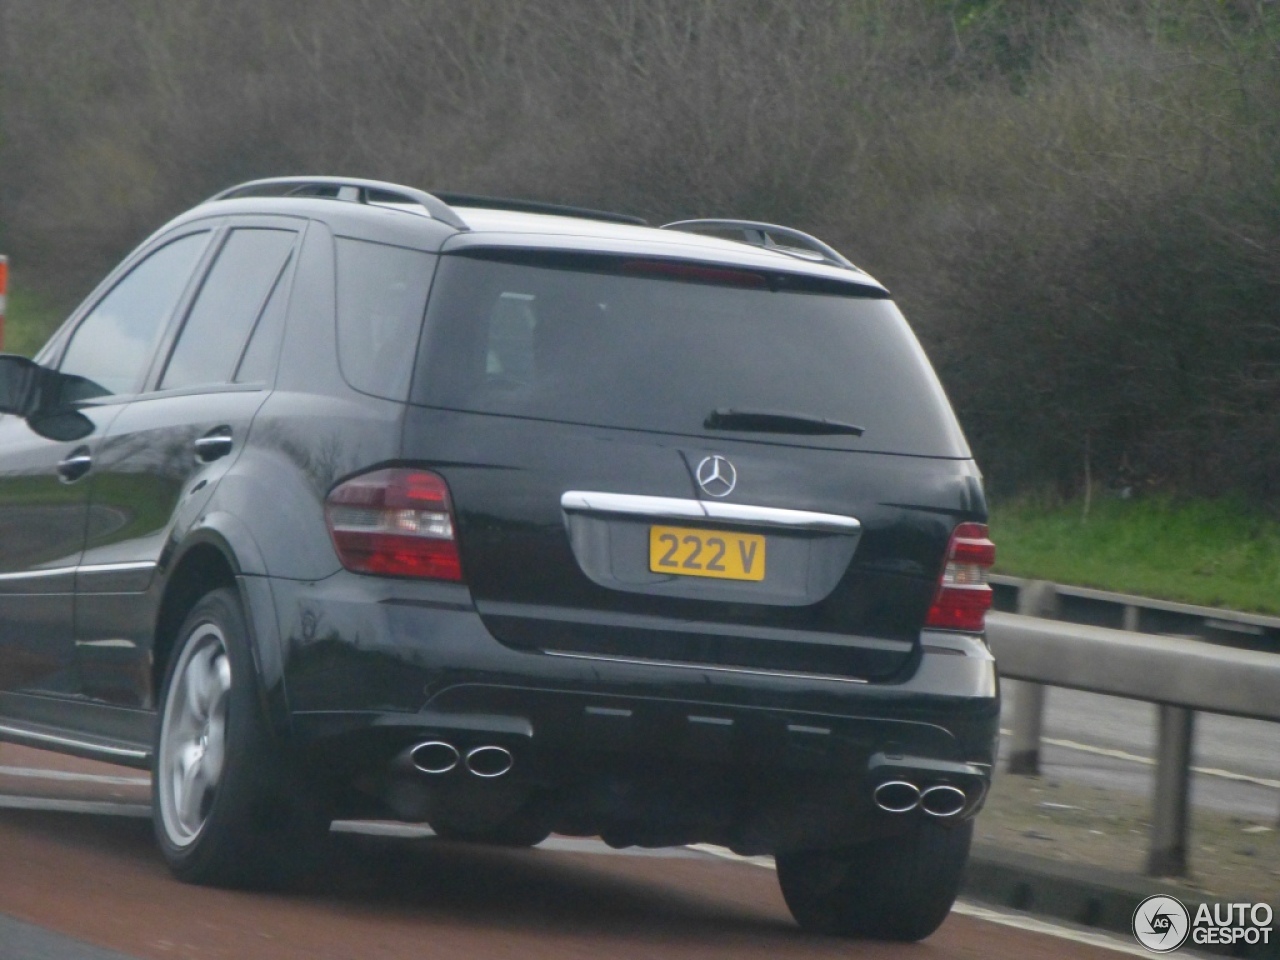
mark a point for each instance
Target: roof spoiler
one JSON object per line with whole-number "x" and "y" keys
{"x": 794, "y": 243}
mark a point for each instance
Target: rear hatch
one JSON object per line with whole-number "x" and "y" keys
{"x": 674, "y": 461}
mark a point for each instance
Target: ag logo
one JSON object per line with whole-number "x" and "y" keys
{"x": 1161, "y": 924}
{"x": 717, "y": 476}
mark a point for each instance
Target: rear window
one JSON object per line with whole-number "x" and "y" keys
{"x": 651, "y": 346}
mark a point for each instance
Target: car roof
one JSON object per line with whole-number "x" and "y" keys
{"x": 403, "y": 215}
{"x": 502, "y": 228}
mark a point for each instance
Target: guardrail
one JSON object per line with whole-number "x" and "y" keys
{"x": 1122, "y": 611}
{"x": 1179, "y": 675}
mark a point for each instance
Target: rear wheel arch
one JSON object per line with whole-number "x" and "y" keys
{"x": 202, "y": 568}
{"x": 229, "y": 806}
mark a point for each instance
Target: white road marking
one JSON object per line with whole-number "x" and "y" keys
{"x": 1150, "y": 761}
{"x": 75, "y": 806}
{"x": 1005, "y": 918}
{"x": 711, "y": 848}
{"x": 37, "y": 774}
{"x": 1022, "y": 921}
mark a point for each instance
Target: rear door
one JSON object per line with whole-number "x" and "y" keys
{"x": 663, "y": 461}
{"x": 164, "y": 455}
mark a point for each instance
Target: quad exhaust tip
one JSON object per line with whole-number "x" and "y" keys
{"x": 942, "y": 800}
{"x": 489, "y": 761}
{"x": 438, "y": 757}
{"x": 902, "y": 796}
{"x": 434, "y": 756}
{"x": 897, "y": 796}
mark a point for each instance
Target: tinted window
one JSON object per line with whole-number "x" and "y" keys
{"x": 621, "y": 348}
{"x": 382, "y": 293}
{"x": 260, "y": 355}
{"x": 230, "y": 300}
{"x": 113, "y": 344}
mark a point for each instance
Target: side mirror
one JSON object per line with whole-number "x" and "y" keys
{"x": 19, "y": 384}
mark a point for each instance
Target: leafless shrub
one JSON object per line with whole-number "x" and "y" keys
{"x": 1076, "y": 201}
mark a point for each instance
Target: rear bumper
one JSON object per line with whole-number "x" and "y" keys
{"x": 373, "y": 667}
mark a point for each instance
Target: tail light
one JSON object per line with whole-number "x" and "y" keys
{"x": 964, "y": 597}
{"x": 395, "y": 523}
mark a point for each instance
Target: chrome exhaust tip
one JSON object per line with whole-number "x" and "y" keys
{"x": 943, "y": 800}
{"x": 434, "y": 756}
{"x": 490, "y": 761}
{"x": 896, "y": 796}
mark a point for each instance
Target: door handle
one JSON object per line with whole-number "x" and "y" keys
{"x": 214, "y": 444}
{"x": 76, "y": 465}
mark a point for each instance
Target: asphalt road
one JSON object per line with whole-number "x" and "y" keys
{"x": 81, "y": 880}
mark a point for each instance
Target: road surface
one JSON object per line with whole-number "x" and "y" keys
{"x": 81, "y": 880}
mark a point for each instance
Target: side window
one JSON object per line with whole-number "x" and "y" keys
{"x": 382, "y": 296}
{"x": 259, "y": 357}
{"x": 231, "y": 299}
{"x": 112, "y": 347}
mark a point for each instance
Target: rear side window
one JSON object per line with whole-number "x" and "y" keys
{"x": 663, "y": 350}
{"x": 382, "y": 294}
{"x": 259, "y": 360}
{"x": 229, "y": 304}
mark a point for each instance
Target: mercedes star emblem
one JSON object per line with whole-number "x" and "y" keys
{"x": 717, "y": 476}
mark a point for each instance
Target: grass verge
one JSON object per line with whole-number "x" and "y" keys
{"x": 1220, "y": 553}
{"x": 29, "y": 320}
{"x": 1229, "y": 856}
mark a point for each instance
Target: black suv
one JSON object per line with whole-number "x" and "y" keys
{"x": 342, "y": 499}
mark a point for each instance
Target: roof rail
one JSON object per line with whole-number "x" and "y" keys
{"x": 758, "y": 234}
{"x": 535, "y": 206}
{"x": 349, "y": 189}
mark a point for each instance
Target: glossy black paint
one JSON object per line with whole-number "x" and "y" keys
{"x": 759, "y": 724}
{"x": 507, "y": 476}
{"x": 42, "y": 527}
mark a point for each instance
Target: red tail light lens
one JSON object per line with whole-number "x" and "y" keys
{"x": 395, "y": 523}
{"x": 964, "y": 597}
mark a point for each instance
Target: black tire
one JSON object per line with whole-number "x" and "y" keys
{"x": 227, "y": 808}
{"x": 898, "y": 888}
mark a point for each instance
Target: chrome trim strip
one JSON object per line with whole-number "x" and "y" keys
{"x": 608, "y": 712}
{"x": 801, "y": 728}
{"x": 677, "y": 508}
{"x": 778, "y": 517}
{"x": 86, "y": 568}
{"x": 23, "y": 732}
{"x": 116, "y": 567}
{"x": 679, "y": 665}
{"x": 38, "y": 574}
{"x": 589, "y": 501}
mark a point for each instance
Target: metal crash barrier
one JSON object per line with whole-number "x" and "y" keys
{"x": 1180, "y": 675}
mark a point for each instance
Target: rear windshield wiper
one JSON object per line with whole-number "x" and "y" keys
{"x": 772, "y": 421}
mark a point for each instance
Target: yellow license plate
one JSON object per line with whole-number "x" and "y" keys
{"x": 706, "y": 553}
